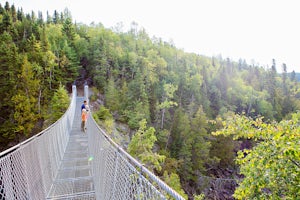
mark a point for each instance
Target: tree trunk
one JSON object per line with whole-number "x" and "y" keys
{"x": 39, "y": 101}
{"x": 162, "y": 118}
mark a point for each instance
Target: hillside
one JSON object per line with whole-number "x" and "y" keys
{"x": 171, "y": 102}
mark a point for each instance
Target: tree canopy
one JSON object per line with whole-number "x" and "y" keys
{"x": 272, "y": 168}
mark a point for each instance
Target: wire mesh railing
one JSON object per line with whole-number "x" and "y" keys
{"x": 28, "y": 169}
{"x": 119, "y": 176}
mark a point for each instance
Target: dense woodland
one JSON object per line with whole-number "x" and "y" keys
{"x": 208, "y": 126}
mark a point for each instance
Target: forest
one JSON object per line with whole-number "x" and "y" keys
{"x": 210, "y": 127}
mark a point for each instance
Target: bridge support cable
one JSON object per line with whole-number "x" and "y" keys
{"x": 86, "y": 92}
{"x": 28, "y": 169}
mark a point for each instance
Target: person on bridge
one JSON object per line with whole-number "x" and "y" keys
{"x": 84, "y": 105}
{"x": 83, "y": 120}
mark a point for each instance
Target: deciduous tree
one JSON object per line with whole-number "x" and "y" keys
{"x": 272, "y": 168}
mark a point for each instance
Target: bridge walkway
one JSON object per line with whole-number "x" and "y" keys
{"x": 74, "y": 179}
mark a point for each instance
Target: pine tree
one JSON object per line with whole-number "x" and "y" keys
{"x": 1, "y": 10}
{"x": 200, "y": 143}
{"x": 8, "y": 79}
{"x": 6, "y": 22}
{"x": 13, "y": 13}
{"x": 55, "y": 19}
{"x": 69, "y": 30}
{"x": 112, "y": 96}
{"x": 59, "y": 103}
{"x": 7, "y": 6}
{"x": 141, "y": 146}
{"x": 20, "y": 15}
{"x": 24, "y": 101}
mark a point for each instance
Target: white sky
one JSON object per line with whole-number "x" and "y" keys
{"x": 257, "y": 30}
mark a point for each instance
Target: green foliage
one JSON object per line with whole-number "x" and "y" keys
{"x": 94, "y": 94}
{"x": 141, "y": 146}
{"x": 105, "y": 118}
{"x": 173, "y": 181}
{"x": 24, "y": 116}
{"x": 272, "y": 167}
{"x": 35, "y": 58}
{"x": 140, "y": 111}
{"x": 109, "y": 125}
{"x": 167, "y": 103}
{"x": 200, "y": 145}
{"x": 8, "y": 79}
{"x": 25, "y": 99}
{"x": 265, "y": 109}
{"x": 112, "y": 99}
{"x": 180, "y": 129}
{"x": 226, "y": 154}
{"x": 68, "y": 29}
{"x": 103, "y": 113}
{"x": 199, "y": 197}
{"x": 59, "y": 103}
{"x": 162, "y": 138}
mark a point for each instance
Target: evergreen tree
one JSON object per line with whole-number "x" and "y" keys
{"x": 40, "y": 20}
{"x": 24, "y": 101}
{"x": 141, "y": 146}
{"x": 55, "y": 18}
{"x": 20, "y": 15}
{"x": 200, "y": 143}
{"x": 69, "y": 63}
{"x": 6, "y": 22}
{"x": 1, "y": 10}
{"x": 112, "y": 96}
{"x": 8, "y": 79}
{"x": 59, "y": 103}
{"x": 13, "y": 13}
{"x": 69, "y": 30}
{"x": 284, "y": 79}
{"x": 7, "y": 6}
{"x": 49, "y": 18}
{"x": 180, "y": 143}
{"x": 293, "y": 75}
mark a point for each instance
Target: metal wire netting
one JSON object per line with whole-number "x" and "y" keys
{"x": 27, "y": 170}
{"x": 119, "y": 176}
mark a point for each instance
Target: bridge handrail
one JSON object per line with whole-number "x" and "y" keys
{"x": 138, "y": 165}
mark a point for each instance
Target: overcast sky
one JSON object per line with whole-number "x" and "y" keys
{"x": 257, "y": 30}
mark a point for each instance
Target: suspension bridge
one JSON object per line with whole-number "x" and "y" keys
{"x": 64, "y": 163}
